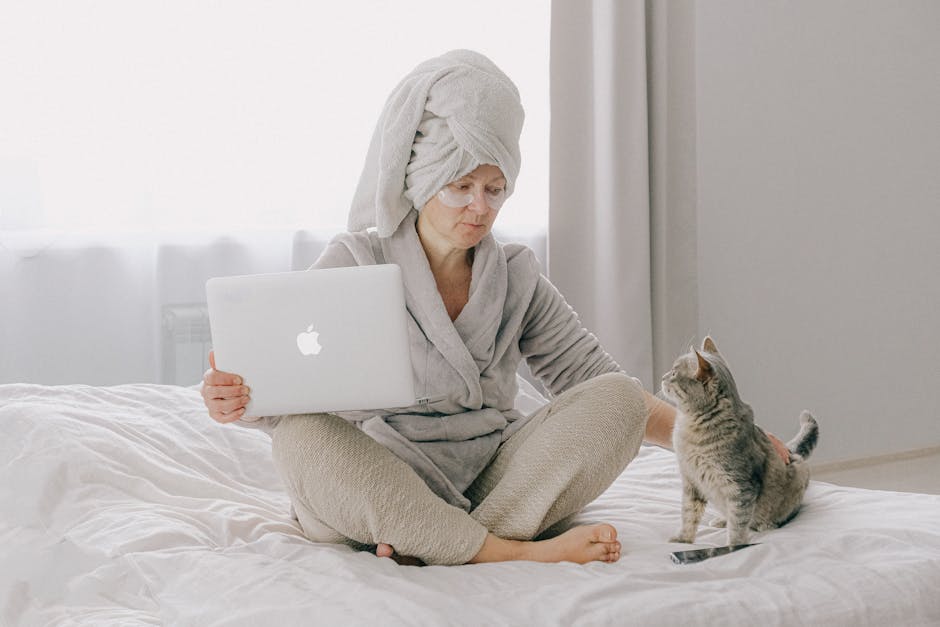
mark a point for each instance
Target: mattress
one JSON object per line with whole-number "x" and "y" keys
{"x": 128, "y": 505}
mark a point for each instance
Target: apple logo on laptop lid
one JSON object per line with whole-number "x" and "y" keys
{"x": 307, "y": 342}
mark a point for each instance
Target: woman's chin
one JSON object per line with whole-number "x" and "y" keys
{"x": 472, "y": 233}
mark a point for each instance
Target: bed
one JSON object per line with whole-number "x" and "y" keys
{"x": 128, "y": 505}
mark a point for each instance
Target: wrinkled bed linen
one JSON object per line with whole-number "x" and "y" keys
{"x": 128, "y": 505}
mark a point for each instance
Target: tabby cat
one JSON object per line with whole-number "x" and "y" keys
{"x": 724, "y": 458}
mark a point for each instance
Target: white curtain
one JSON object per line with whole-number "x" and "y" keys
{"x": 622, "y": 199}
{"x": 137, "y": 115}
{"x": 92, "y": 307}
{"x": 147, "y": 147}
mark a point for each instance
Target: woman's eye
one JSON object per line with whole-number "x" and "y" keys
{"x": 495, "y": 192}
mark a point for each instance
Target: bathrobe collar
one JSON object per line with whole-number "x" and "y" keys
{"x": 466, "y": 343}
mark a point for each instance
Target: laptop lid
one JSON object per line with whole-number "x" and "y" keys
{"x": 314, "y": 341}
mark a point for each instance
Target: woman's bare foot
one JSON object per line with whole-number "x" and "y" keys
{"x": 386, "y": 550}
{"x": 583, "y": 544}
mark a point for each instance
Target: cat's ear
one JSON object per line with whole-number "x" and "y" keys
{"x": 704, "y": 372}
{"x": 708, "y": 345}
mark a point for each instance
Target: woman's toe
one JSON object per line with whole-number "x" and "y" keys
{"x": 605, "y": 533}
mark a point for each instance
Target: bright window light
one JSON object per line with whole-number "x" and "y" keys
{"x": 119, "y": 114}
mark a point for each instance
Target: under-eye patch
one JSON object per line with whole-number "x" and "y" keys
{"x": 456, "y": 198}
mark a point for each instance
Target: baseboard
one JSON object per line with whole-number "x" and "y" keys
{"x": 875, "y": 460}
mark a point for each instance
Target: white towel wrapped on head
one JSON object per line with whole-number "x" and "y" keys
{"x": 450, "y": 115}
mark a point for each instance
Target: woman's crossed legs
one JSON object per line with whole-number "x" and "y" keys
{"x": 346, "y": 487}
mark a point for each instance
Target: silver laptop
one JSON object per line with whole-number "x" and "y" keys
{"x": 314, "y": 341}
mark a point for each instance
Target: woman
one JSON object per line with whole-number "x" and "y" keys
{"x": 461, "y": 477}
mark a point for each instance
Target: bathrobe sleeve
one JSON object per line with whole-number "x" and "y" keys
{"x": 558, "y": 350}
{"x": 346, "y": 250}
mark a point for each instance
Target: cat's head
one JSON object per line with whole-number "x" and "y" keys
{"x": 699, "y": 379}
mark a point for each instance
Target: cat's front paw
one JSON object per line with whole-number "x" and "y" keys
{"x": 719, "y": 522}
{"x": 681, "y": 539}
{"x": 739, "y": 537}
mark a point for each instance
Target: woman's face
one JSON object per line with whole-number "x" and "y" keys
{"x": 464, "y": 226}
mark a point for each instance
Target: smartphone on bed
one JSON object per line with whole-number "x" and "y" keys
{"x": 697, "y": 555}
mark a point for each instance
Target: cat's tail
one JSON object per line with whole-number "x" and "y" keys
{"x": 805, "y": 441}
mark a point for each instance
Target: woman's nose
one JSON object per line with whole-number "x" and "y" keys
{"x": 478, "y": 204}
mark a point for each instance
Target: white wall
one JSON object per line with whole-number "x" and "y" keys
{"x": 818, "y": 155}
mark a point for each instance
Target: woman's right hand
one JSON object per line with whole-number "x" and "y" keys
{"x": 223, "y": 393}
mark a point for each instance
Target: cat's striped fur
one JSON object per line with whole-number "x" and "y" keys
{"x": 727, "y": 460}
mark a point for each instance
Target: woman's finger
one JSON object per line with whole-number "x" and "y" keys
{"x": 225, "y": 392}
{"x": 232, "y": 404}
{"x": 781, "y": 448}
{"x": 218, "y": 377}
{"x": 222, "y": 417}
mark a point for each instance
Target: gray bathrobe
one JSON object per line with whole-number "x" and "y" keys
{"x": 465, "y": 370}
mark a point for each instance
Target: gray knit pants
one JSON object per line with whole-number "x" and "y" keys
{"x": 347, "y": 488}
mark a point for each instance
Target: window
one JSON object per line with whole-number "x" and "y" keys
{"x": 200, "y": 114}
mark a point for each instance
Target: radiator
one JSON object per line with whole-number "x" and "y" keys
{"x": 185, "y": 344}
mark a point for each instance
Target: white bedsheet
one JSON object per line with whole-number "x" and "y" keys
{"x": 128, "y": 505}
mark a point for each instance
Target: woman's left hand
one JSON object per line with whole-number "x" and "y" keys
{"x": 780, "y": 447}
